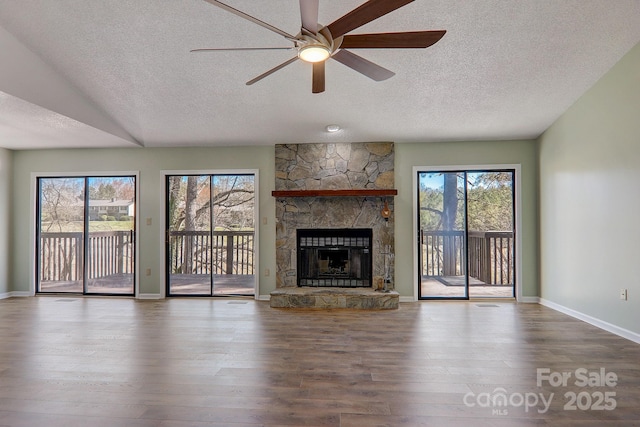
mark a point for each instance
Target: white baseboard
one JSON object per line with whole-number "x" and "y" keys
{"x": 6, "y": 295}
{"x": 21, "y": 294}
{"x": 624, "y": 333}
{"x": 526, "y": 300}
{"x": 149, "y": 296}
{"x": 263, "y": 298}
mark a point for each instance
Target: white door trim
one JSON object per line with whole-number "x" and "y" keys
{"x": 163, "y": 216}
{"x": 518, "y": 208}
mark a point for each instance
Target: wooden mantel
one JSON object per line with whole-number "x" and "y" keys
{"x": 365, "y": 192}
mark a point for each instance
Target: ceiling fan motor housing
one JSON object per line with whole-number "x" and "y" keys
{"x": 316, "y": 47}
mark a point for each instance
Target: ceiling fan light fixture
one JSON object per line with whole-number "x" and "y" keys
{"x": 316, "y": 43}
{"x": 314, "y": 53}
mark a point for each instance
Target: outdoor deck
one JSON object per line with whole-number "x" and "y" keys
{"x": 243, "y": 284}
{"x": 444, "y": 263}
{"x": 223, "y": 284}
{"x": 453, "y": 286}
{"x": 196, "y": 257}
{"x": 182, "y": 284}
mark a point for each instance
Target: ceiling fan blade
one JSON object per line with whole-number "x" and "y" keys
{"x": 318, "y": 77}
{"x": 271, "y": 71}
{"x": 363, "y": 66}
{"x": 309, "y": 15}
{"x": 367, "y": 12}
{"x": 215, "y": 49}
{"x": 250, "y": 18}
{"x": 412, "y": 39}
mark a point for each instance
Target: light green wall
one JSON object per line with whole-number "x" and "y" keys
{"x": 465, "y": 154}
{"x": 149, "y": 162}
{"x": 5, "y": 219}
{"x": 590, "y": 201}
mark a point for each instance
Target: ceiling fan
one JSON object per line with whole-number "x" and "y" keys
{"x": 316, "y": 43}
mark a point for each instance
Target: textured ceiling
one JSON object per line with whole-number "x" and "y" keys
{"x": 506, "y": 69}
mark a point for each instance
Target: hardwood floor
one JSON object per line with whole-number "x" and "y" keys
{"x": 231, "y": 362}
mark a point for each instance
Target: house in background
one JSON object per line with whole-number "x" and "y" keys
{"x": 113, "y": 207}
{"x": 578, "y": 150}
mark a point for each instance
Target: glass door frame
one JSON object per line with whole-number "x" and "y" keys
{"x": 446, "y": 235}
{"x": 35, "y": 229}
{"x": 168, "y": 253}
{"x": 516, "y": 168}
{"x": 164, "y": 282}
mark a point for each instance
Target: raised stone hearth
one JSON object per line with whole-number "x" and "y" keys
{"x": 356, "y": 298}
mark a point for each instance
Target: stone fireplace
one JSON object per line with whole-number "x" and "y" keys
{"x": 334, "y": 186}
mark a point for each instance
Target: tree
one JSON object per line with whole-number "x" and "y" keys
{"x": 191, "y": 199}
{"x": 60, "y": 208}
{"x": 102, "y": 192}
{"x": 233, "y": 200}
{"x": 489, "y": 198}
{"x": 490, "y": 201}
{"x": 190, "y": 214}
{"x": 449, "y": 216}
{"x": 124, "y": 188}
{"x": 450, "y": 202}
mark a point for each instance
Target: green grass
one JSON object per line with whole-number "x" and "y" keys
{"x": 77, "y": 226}
{"x": 111, "y": 225}
{"x": 108, "y": 226}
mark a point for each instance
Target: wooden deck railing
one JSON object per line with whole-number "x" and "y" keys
{"x": 197, "y": 252}
{"x": 110, "y": 253}
{"x": 491, "y": 255}
{"x": 442, "y": 253}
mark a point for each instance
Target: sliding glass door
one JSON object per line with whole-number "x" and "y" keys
{"x": 491, "y": 233}
{"x": 110, "y": 235}
{"x": 86, "y": 235}
{"x": 466, "y": 241}
{"x": 442, "y": 219}
{"x": 210, "y": 235}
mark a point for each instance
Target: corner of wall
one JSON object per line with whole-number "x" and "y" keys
{"x": 6, "y": 235}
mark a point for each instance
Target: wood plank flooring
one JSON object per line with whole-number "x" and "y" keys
{"x": 231, "y": 362}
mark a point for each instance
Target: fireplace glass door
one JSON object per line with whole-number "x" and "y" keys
{"x": 334, "y": 257}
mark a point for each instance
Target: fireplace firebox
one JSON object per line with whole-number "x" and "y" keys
{"x": 334, "y": 257}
